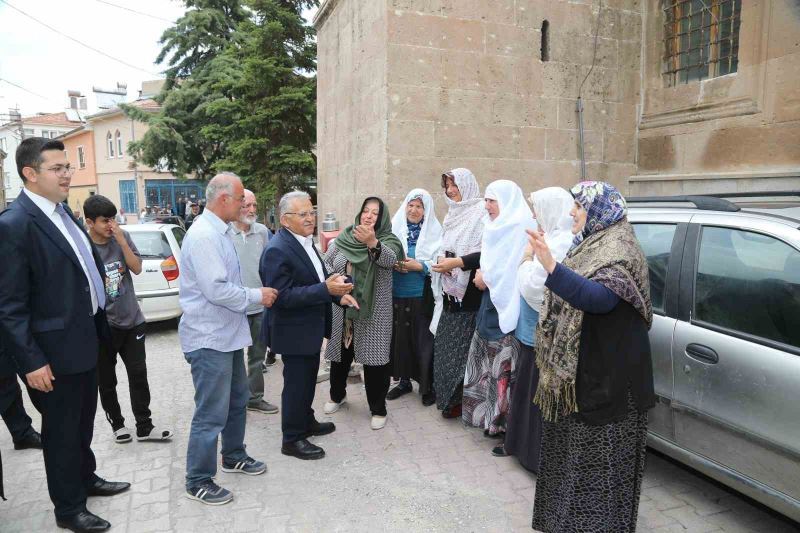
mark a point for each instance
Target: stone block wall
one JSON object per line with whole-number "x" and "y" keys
{"x": 452, "y": 83}
{"x": 734, "y": 133}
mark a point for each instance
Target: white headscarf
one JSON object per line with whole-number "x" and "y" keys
{"x": 430, "y": 235}
{"x": 462, "y": 228}
{"x": 551, "y": 206}
{"x": 504, "y": 241}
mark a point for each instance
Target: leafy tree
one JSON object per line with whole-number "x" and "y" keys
{"x": 238, "y": 97}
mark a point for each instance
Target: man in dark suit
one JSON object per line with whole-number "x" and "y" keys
{"x": 52, "y": 296}
{"x": 299, "y": 319}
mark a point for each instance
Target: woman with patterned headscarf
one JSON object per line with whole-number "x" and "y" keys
{"x": 490, "y": 373}
{"x": 457, "y": 298}
{"x": 420, "y": 233}
{"x": 367, "y": 252}
{"x": 595, "y": 370}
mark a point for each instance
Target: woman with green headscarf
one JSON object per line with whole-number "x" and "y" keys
{"x": 367, "y": 251}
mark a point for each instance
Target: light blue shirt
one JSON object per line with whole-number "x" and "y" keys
{"x": 212, "y": 294}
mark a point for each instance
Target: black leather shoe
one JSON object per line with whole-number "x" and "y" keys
{"x": 34, "y": 440}
{"x": 83, "y": 522}
{"x": 322, "y": 428}
{"x": 302, "y": 449}
{"x": 429, "y": 399}
{"x": 101, "y": 487}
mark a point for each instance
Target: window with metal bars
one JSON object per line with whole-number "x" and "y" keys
{"x": 701, "y": 39}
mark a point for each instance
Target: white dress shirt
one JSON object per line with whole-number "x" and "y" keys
{"x": 49, "y": 209}
{"x": 308, "y": 245}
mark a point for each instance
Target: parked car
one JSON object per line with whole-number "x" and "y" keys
{"x": 725, "y": 286}
{"x": 164, "y": 219}
{"x": 157, "y": 287}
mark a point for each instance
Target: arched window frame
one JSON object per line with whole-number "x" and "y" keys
{"x": 118, "y": 139}
{"x": 110, "y": 145}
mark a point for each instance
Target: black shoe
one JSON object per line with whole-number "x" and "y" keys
{"x": 452, "y": 412}
{"x": 32, "y": 441}
{"x": 429, "y": 399}
{"x": 101, "y": 487}
{"x": 499, "y": 451}
{"x": 83, "y": 522}
{"x": 321, "y": 428}
{"x": 302, "y": 449}
{"x": 399, "y": 390}
{"x": 270, "y": 359}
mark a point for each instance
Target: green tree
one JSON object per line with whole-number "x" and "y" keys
{"x": 240, "y": 95}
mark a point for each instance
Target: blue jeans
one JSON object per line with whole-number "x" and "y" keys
{"x": 220, "y": 399}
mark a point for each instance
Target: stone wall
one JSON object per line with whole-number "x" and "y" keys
{"x": 438, "y": 84}
{"x": 351, "y": 105}
{"x": 739, "y": 132}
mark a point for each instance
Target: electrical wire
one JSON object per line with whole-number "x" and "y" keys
{"x": 594, "y": 52}
{"x": 24, "y": 89}
{"x": 134, "y": 11}
{"x": 93, "y": 49}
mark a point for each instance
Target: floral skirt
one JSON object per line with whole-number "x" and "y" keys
{"x": 489, "y": 381}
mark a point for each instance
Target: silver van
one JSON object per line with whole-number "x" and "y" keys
{"x": 725, "y": 285}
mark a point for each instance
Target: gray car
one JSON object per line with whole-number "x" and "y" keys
{"x": 725, "y": 284}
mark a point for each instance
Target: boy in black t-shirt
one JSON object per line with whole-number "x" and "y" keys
{"x": 120, "y": 257}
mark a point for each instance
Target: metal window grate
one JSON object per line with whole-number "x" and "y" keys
{"x": 701, "y": 39}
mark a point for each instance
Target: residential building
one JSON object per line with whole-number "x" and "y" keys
{"x": 79, "y": 147}
{"x": 678, "y": 96}
{"x": 49, "y": 125}
{"x": 130, "y": 185}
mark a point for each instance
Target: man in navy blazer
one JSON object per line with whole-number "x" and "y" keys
{"x": 299, "y": 319}
{"x": 52, "y": 296}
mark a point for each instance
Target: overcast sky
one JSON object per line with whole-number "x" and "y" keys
{"x": 49, "y": 64}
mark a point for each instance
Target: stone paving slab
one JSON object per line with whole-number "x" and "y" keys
{"x": 420, "y": 473}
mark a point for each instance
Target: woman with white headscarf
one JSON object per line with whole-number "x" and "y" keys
{"x": 457, "y": 297}
{"x": 491, "y": 363}
{"x": 420, "y": 233}
{"x": 551, "y": 207}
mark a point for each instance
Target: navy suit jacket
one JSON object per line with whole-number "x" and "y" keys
{"x": 46, "y": 315}
{"x": 301, "y": 315}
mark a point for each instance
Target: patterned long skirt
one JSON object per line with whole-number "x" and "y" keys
{"x": 489, "y": 381}
{"x": 590, "y": 477}
{"x": 450, "y": 349}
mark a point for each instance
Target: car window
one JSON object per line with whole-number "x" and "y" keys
{"x": 749, "y": 282}
{"x": 656, "y": 241}
{"x": 151, "y": 244}
{"x": 179, "y": 233}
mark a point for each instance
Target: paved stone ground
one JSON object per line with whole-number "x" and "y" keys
{"x": 420, "y": 473}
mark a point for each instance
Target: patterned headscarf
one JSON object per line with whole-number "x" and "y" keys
{"x": 604, "y": 206}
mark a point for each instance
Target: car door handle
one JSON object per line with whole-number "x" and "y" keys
{"x": 704, "y": 354}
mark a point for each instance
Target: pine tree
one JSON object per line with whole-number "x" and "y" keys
{"x": 240, "y": 95}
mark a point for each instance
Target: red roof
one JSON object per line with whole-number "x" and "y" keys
{"x": 52, "y": 119}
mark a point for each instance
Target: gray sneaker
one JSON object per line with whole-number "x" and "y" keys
{"x": 262, "y": 407}
{"x": 249, "y": 466}
{"x": 210, "y": 493}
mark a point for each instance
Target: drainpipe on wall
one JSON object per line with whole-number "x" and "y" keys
{"x": 580, "y": 138}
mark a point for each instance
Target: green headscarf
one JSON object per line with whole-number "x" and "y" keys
{"x": 358, "y": 255}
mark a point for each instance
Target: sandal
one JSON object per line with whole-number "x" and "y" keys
{"x": 122, "y": 435}
{"x": 156, "y": 434}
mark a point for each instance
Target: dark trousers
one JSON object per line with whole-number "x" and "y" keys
{"x": 129, "y": 344}
{"x": 13, "y": 410}
{"x": 67, "y": 424}
{"x": 376, "y": 381}
{"x": 299, "y": 386}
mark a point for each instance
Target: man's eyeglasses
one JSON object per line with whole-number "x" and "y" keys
{"x": 62, "y": 170}
{"x": 304, "y": 214}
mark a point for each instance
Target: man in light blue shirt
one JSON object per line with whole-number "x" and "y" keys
{"x": 213, "y": 334}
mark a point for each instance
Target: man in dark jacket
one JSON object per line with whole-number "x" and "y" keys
{"x": 52, "y": 301}
{"x": 299, "y": 319}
